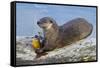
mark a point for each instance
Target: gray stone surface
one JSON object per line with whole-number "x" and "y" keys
{"x": 84, "y": 50}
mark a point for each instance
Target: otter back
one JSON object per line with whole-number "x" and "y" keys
{"x": 75, "y": 30}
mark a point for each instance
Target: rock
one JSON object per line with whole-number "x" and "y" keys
{"x": 84, "y": 50}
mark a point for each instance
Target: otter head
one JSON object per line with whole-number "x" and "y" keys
{"x": 46, "y": 23}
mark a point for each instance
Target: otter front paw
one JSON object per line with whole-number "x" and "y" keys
{"x": 40, "y": 52}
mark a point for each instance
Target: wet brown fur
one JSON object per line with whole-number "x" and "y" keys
{"x": 60, "y": 36}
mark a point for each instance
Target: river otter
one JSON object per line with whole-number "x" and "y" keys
{"x": 59, "y": 36}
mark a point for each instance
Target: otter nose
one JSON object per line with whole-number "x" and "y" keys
{"x": 38, "y": 22}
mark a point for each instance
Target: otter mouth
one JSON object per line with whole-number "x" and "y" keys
{"x": 42, "y": 26}
{"x": 45, "y": 25}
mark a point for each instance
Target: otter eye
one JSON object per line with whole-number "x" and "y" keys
{"x": 51, "y": 21}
